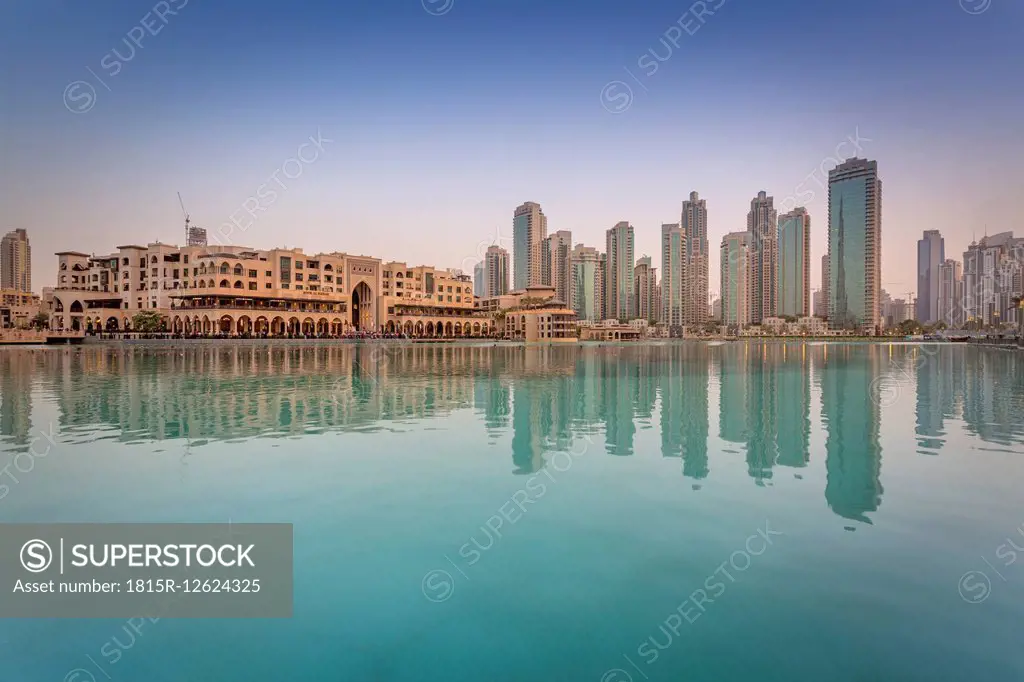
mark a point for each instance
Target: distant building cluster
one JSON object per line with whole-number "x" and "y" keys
{"x": 765, "y": 282}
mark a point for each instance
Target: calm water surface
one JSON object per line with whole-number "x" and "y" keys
{"x": 790, "y": 512}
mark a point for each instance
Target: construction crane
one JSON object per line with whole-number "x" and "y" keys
{"x": 184, "y": 213}
{"x": 194, "y": 236}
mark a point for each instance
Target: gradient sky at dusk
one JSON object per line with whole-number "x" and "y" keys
{"x": 443, "y": 124}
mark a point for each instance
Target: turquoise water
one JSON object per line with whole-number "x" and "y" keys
{"x": 666, "y": 512}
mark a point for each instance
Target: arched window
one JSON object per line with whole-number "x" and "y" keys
{"x": 238, "y": 284}
{"x": 238, "y": 269}
{"x": 224, "y": 284}
{"x": 223, "y": 268}
{"x": 154, "y": 259}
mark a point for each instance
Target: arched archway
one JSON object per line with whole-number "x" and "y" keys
{"x": 430, "y": 328}
{"x": 419, "y": 329}
{"x": 76, "y": 307}
{"x": 407, "y": 328}
{"x": 362, "y": 307}
{"x": 447, "y": 328}
{"x": 112, "y": 324}
{"x": 244, "y": 325}
{"x": 225, "y": 324}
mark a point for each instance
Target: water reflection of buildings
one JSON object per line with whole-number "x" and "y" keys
{"x": 546, "y": 398}
{"x": 684, "y": 375}
{"x": 850, "y": 417}
{"x": 764, "y": 403}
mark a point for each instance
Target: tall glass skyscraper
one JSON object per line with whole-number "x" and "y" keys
{"x": 931, "y": 252}
{"x": 795, "y": 263}
{"x": 673, "y": 275}
{"x": 480, "y": 279}
{"x": 620, "y": 292}
{"x": 529, "y": 228}
{"x": 854, "y": 245}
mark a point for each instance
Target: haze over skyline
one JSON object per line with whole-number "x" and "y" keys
{"x": 438, "y": 118}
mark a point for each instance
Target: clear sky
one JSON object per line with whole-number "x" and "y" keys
{"x": 444, "y": 115}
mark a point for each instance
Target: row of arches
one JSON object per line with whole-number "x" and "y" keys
{"x": 440, "y": 329}
{"x": 261, "y": 325}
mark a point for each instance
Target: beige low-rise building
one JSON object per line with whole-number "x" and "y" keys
{"x": 18, "y": 309}
{"x": 240, "y": 291}
{"x": 611, "y": 330}
{"x": 547, "y": 322}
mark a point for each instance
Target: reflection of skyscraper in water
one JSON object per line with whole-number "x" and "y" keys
{"x": 15, "y": 398}
{"x": 932, "y": 397}
{"x": 684, "y": 408}
{"x": 619, "y": 393}
{"x": 492, "y": 398}
{"x": 850, "y": 418}
{"x": 991, "y": 397}
{"x": 794, "y": 391}
{"x": 733, "y": 421}
{"x": 763, "y": 412}
{"x": 540, "y": 420}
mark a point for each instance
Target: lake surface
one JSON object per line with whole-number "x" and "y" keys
{"x": 747, "y": 511}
